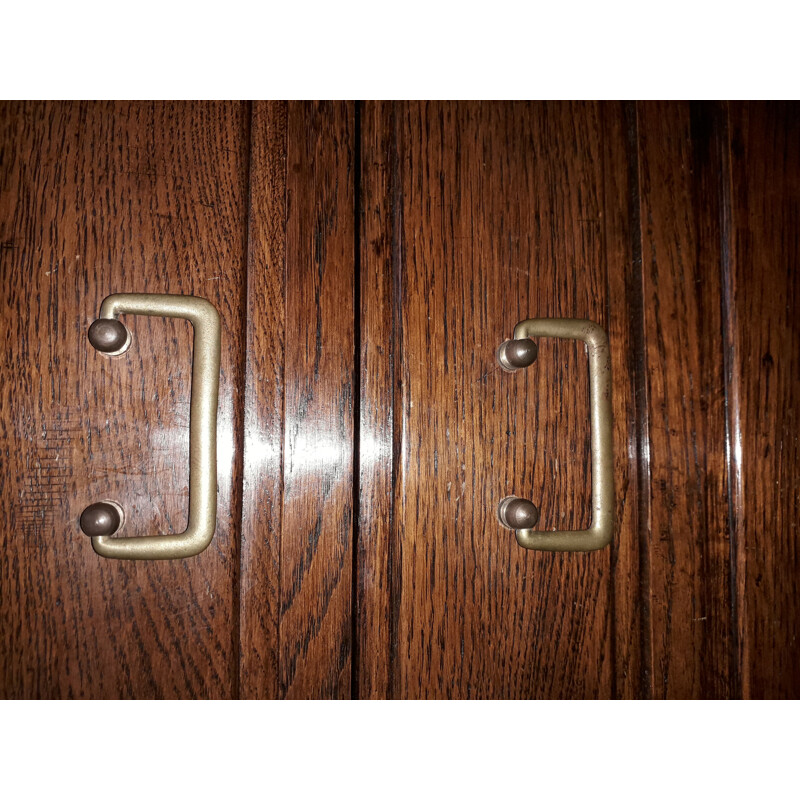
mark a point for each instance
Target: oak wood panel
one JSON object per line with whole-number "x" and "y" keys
{"x": 763, "y": 326}
{"x": 497, "y": 216}
{"x": 98, "y": 198}
{"x": 262, "y": 508}
{"x": 681, "y": 173}
{"x": 299, "y": 449}
{"x": 315, "y": 636}
{"x": 378, "y": 318}
{"x": 625, "y": 303}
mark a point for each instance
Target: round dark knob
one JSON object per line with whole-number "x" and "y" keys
{"x": 101, "y": 519}
{"x": 517, "y": 354}
{"x": 108, "y": 335}
{"x": 517, "y": 514}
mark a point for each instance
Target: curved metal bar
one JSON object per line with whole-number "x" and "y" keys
{"x": 202, "y": 427}
{"x": 601, "y": 530}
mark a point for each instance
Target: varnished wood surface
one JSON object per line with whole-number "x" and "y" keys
{"x": 680, "y": 158}
{"x": 493, "y": 208}
{"x": 762, "y": 297}
{"x": 262, "y": 506}
{"x": 378, "y": 220}
{"x": 483, "y": 215}
{"x": 316, "y": 547}
{"x": 98, "y": 198}
{"x": 622, "y": 266}
{"x": 299, "y": 451}
{"x": 366, "y": 261}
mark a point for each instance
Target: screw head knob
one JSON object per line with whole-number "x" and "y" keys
{"x": 109, "y": 336}
{"x": 517, "y": 514}
{"x": 516, "y": 354}
{"x": 101, "y": 519}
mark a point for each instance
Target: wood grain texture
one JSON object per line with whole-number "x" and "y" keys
{"x": 624, "y": 308}
{"x": 497, "y": 215}
{"x": 366, "y": 262}
{"x": 317, "y": 532}
{"x": 378, "y": 317}
{"x": 262, "y": 508}
{"x": 298, "y": 466}
{"x": 98, "y": 198}
{"x": 681, "y": 174}
{"x": 763, "y": 328}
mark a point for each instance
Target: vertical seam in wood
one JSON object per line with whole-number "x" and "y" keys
{"x": 395, "y": 359}
{"x": 638, "y": 337}
{"x": 356, "y": 393}
{"x": 732, "y": 385}
{"x": 281, "y": 689}
{"x": 612, "y": 584}
{"x": 239, "y": 413}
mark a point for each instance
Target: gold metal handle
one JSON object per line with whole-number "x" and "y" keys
{"x": 110, "y": 336}
{"x": 519, "y": 353}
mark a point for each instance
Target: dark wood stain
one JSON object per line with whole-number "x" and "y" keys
{"x": 98, "y": 198}
{"x": 367, "y": 259}
{"x": 298, "y": 505}
{"x": 690, "y": 617}
{"x": 763, "y": 334}
{"x": 264, "y": 403}
{"x": 624, "y": 304}
{"x": 374, "y": 564}
{"x": 495, "y": 203}
{"x": 317, "y": 532}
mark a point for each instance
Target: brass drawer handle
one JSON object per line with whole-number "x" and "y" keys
{"x": 521, "y": 515}
{"x": 111, "y": 337}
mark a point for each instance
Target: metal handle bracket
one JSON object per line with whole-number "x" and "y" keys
{"x": 601, "y": 531}
{"x": 114, "y": 339}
